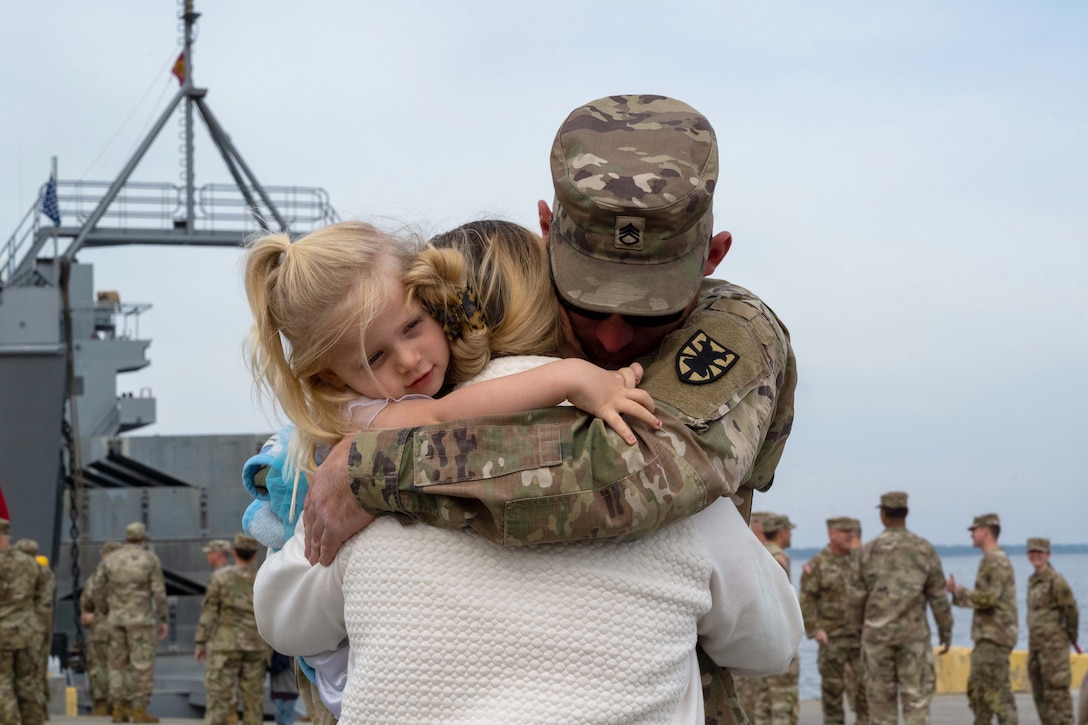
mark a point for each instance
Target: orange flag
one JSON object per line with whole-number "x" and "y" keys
{"x": 179, "y": 68}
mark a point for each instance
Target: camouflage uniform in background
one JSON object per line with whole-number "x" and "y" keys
{"x": 773, "y": 700}
{"x": 22, "y": 597}
{"x": 1053, "y": 620}
{"x": 833, "y": 599}
{"x": 98, "y": 641}
{"x": 237, "y": 656}
{"x": 45, "y": 614}
{"x": 994, "y": 629}
{"x": 133, "y": 594}
{"x": 901, "y": 572}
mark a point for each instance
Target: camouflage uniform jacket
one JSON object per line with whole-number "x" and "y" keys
{"x": 22, "y": 598}
{"x": 131, "y": 581}
{"x": 1053, "y": 617}
{"x": 89, "y": 604}
{"x": 902, "y": 572}
{"x": 724, "y": 385}
{"x": 226, "y": 615}
{"x": 993, "y": 599}
{"x": 833, "y": 594}
{"x": 780, "y": 556}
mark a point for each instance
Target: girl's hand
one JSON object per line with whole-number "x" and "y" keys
{"x": 610, "y": 395}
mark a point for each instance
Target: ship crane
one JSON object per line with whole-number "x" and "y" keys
{"x": 62, "y": 347}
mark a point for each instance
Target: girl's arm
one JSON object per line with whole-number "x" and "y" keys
{"x": 605, "y": 394}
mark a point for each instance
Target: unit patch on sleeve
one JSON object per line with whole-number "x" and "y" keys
{"x": 702, "y": 359}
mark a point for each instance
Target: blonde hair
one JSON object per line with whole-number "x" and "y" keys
{"x": 506, "y": 266}
{"x": 306, "y": 297}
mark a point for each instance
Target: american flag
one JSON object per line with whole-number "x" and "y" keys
{"x": 50, "y": 207}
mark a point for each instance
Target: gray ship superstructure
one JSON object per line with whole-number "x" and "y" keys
{"x": 70, "y": 478}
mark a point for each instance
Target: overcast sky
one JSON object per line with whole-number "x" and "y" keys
{"x": 906, "y": 184}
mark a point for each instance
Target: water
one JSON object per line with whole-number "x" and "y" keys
{"x": 1074, "y": 567}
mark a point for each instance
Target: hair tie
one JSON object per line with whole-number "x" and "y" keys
{"x": 460, "y": 312}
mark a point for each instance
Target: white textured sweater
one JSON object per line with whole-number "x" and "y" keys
{"x": 446, "y": 627}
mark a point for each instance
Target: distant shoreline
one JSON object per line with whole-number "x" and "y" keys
{"x": 959, "y": 550}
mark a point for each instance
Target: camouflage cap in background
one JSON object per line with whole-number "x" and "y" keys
{"x": 855, "y": 525}
{"x": 135, "y": 531}
{"x": 245, "y": 542}
{"x": 842, "y": 523}
{"x": 111, "y": 546}
{"x": 1037, "y": 543}
{"x": 777, "y": 522}
{"x": 634, "y": 177}
{"x": 893, "y": 500}
{"x": 758, "y": 517}
{"x": 221, "y": 545}
{"x": 984, "y": 520}
{"x": 5, "y": 526}
{"x": 27, "y": 546}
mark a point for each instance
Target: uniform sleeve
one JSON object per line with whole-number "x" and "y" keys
{"x": 300, "y": 608}
{"x": 209, "y": 612}
{"x": 1068, "y": 614}
{"x": 754, "y": 624}
{"x": 158, "y": 591}
{"x": 810, "y": 595}
{"x": 937, "y": 594}
{"x": 724, "y": 386}
{"x": 989, "y": 585}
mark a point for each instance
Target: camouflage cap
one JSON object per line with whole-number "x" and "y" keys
{"x": 135, "y": 531}
{"x": 893, "y": 500}
{"x": 855, "y": 525}
{"x": 758, "y": 517}
{"x": 27, "y": 546}
{"x": 111, "y": 546}
{"x": 245, "y": 542}
{"x": 221, "y": 545}
{"x": 5, "y": 526}
{"x": 841, "y": 523}
{"x": 984, "y": 520}
{"x": 1037, "y": 543}
{"x": 777, "y": 522}
{"x": 634, "y": 177}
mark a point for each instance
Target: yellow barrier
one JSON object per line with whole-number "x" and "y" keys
{"x": 953, "y": 668}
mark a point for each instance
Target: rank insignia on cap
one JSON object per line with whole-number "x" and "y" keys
{"x": 703, "y": 360}
{"x": 629, "y": 232}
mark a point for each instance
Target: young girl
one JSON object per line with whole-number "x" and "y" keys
{"x": 445, "y": 626}
{"x": 340, "y": 345}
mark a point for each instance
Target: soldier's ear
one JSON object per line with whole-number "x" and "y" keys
{"x": 719, "y": 247}
{"x": 544, "y": 212}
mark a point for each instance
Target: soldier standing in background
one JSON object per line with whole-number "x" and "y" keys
{"x": 228, "y": 630}
{"x": 22, "y": 596}
{"x": 45, "y": 616}
{"x": 217, "y": 552}
{"x": 851, "y": 683}
{"x": 98, "y": 643}
{"x": 773, "y": 700}
{"x": 832, "y": 602}
{"x": 1053, "y": 619}
{"x": 994, "y": 625}
{"x": 902, "y": 572}
{"x": 133, "y": 596}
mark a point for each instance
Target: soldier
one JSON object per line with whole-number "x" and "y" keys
{"x": 1053, "y": 619}
{"x": 832, "y": 603}
{"x": 850, "y": 683}
{"x": 994, "y": 625}
{"x": 45, "y": 615}
{"x": 902, "y": 572}
{"x": 773, "y": 699}
{"x": 630, "y": 243}
{"x": 22, "y": 597}
{"x": 217, "y": 552}
{"x": 98, "y": 643}
{"x": 228, "y": 630}
{"x": 133, "y": 596}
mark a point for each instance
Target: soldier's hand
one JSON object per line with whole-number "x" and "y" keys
{"x": 331, "y": 513}
{"x": 164, "y": 629}
{"x": 944, "y": 648}
{"x": 86, "y": 619}
{"x": 950, "y": 585}
{"x": 200, "y": 655}
{"x": 821, "y": 636}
